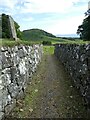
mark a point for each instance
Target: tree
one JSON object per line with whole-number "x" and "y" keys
{"x": 46, "y": 42}
{"x": 19, "y": 33}
{"x": 84, "y": 29}
{"x": 6, "y": 30}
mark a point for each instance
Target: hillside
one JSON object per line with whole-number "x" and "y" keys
{"x": 36, "y": 34}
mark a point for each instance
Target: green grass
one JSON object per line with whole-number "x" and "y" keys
{"x": 35, "y": 34}
{"x": 76, "y": 42}
{"x": 10, "y": 42}
{"x": 48, "y": 49}
{"x": 41, "y": 35}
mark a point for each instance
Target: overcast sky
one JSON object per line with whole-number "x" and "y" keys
{"x": 54, "y": 16}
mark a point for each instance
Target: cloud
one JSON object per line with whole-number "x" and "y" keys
{"x": 55, "y": 16}
{"x": 39, "y": 6}
{"x": 66, "y": 26}
{"x": 46, "y": 6}
{"x": 8, "y": 3}
{"x": 49, "y": 6}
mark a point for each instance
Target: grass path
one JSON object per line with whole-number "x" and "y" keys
{"x": 51, "y": 93}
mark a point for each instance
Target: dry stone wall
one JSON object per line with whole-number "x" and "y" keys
{"x": 17, "y": 65}
{"x": 76, "y": 59}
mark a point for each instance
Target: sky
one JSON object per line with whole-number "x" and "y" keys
{"x": 53, "y": 16}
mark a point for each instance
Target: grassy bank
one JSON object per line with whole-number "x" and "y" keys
{"x": 10, "y": 42}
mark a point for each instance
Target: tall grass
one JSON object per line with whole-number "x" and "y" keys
{"x": 11, "y": 43}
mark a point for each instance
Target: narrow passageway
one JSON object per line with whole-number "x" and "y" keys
{"x": 50, "y": 94}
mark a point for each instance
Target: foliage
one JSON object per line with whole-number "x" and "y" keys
{"x": 6, "y": 30}
{"x": 46, "y": 43}
{"x": 11, "y": 42}
{"x": 84, "y": 29}
{"x": 17, "y": 27}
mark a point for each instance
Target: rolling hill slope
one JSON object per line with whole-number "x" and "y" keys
{"x": 36, "y": 34}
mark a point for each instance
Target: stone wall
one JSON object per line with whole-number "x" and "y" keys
{"x": 17, "y": 65}
{"x": 76, "y": 59}
{"x": 11, "y": 25}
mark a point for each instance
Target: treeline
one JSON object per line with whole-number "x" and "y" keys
{"x": 84, "y": 28}
{"x": 70, "y": 38}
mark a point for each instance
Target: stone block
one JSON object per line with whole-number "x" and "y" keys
{"x": 1, "y": 115}
{"x": 1, "y": 109}
{"x": 20, "y": 95}
{"x": 21, "y": 53}
{"x": 13, "y": 73}
{"x": 8, "y": 108}
{"x": 15, "y": 59}
{"x": 22, "y": 67}
{"x": 13, "y": 90}
{"x": 6, "y": 60}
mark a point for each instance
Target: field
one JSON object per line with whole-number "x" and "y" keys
{"x": 10, "y": 42}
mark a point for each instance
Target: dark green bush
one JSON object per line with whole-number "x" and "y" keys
{"x": 46, "y": 42}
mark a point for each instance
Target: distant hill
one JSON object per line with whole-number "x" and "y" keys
{"x": 36, "y": 34}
